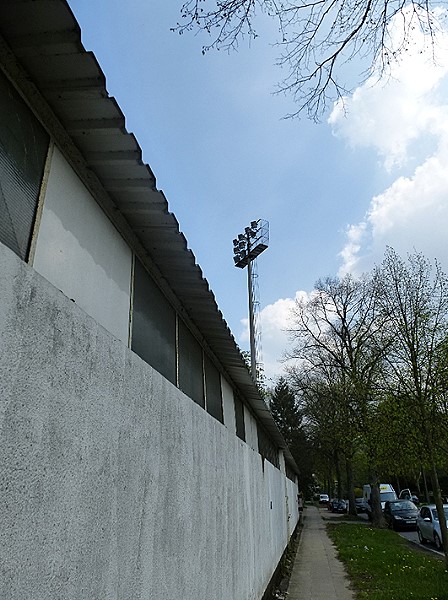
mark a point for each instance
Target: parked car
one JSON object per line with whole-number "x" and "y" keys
{"x": 428, "y": 525}
{"x": 406, "y": 494}
{"x": 387, "y": 492}
{"x": 362, "y": 505}
{"x": 324, "y": 498}
{"x": 338, "y": 506}
{"x": 401, "y": 514}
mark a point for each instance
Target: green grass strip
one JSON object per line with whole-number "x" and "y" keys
{"x": 382, "y": 566}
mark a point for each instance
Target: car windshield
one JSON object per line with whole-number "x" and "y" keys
{"x": 385, "y": 496}
{"x": 402, "y": 505}
{"x": 436, "y": 516}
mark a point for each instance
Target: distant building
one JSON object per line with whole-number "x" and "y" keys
{"x": 137, "y": 457}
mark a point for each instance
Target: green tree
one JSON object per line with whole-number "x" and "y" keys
{"x": 326, "y": 426}
{"x": 288, "y": 417}
{"x": 338, "y": 339}
{"x": 285, "y": 410}
{"x": 316, "y": 38}
{"x": 414, "y": 298}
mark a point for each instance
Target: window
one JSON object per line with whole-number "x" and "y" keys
{"x": 153, "y": 325}
{"x": 213, "y": 393}
{"x": 266, "y": 448}
{"x": 290, "y": 474}
{"x": 23, "y": 150}
{"x": 190, "y": 369}
{"x": 239, "y": 418}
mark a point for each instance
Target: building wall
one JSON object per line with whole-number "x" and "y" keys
{"x": 80, "y": 251}
{"x": 114, "y": 484}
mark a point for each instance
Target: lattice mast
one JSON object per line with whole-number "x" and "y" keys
{"x": 246, "y": 247}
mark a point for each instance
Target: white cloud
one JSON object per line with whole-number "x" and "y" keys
{"x": 404, "y": 118}
{"x": 389, "y": 113}
{"x": 275, "y": 321}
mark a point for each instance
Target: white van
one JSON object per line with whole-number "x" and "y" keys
{"x": 387, "y": 492}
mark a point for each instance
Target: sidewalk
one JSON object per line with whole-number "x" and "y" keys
{"x": 317, "y": 573}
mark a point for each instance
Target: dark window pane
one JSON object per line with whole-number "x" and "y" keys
{"x": 239, "y": 418}
{"x": 153, "y": 325}
{"x": 267, "y": 448}
{"x": 290, "y": 474}
{"x": 213, "y": 395}
{"x": 23, "y": 149}
{"x": 191, "y": 379}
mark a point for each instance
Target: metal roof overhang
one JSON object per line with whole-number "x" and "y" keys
{"x": 42, "y": 48}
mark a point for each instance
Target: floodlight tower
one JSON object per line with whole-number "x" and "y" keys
{"x": 246, "y": 247}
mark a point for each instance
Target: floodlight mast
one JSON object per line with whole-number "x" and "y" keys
{"x": 246, "y": 247}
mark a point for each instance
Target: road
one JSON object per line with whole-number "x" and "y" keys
{"x": 413, "y": 537}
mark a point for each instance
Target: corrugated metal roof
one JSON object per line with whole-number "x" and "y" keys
{"x": 46, "y": 39}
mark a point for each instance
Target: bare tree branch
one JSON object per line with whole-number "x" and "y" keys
{"x": 316, "y": 38}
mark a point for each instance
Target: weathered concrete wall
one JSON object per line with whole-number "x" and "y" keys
{"x": 80, "y": 251}
{"x": 113, "y": 483}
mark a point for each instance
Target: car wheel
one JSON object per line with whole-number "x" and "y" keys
{"x": 421, "y": 539}
{"x": 437, "y": 542}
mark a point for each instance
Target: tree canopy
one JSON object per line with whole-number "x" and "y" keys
{"x": 371, "y": 372}
{"x": 288, "y": 417}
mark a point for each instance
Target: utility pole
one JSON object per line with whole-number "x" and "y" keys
{"x": 246, "y": 247}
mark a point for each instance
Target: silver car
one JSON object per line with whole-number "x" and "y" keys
{"x": 428, "y": 525}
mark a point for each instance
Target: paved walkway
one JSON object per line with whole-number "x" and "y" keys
{"x": 317, "y": 573}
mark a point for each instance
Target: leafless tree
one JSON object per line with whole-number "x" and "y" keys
{"x": 338, "y": 339}
{"x": 316, "y": 38}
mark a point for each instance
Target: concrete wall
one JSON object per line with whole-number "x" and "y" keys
{"x": 113, "y": 483}
{"x": 80, "y": 251}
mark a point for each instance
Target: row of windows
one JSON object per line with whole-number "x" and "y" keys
{"x": 164, "y": 341}
{"x": 158, "y": 335}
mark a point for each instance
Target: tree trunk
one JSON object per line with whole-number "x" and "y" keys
{"x": 426, "y": 486}
{"x": 338, "y": 475}
{"x": 350, "y": 488}
{"x": 375, "y": 503}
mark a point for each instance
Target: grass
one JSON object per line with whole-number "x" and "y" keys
{"x": 382, "y": 566}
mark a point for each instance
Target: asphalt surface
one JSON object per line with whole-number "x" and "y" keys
{"x": 412, "y": 536}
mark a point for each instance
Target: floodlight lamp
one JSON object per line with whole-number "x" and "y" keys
{"x": 235, "y": 242}
{"x": 236, "y": 259}
{"x": 247, "y": 229}
{"x": 240, "y": 236}
{"x": 242, "y": 244}
{"x": 254, "y": 224}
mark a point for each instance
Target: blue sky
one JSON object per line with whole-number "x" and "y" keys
{"x": 212, "y": 131}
